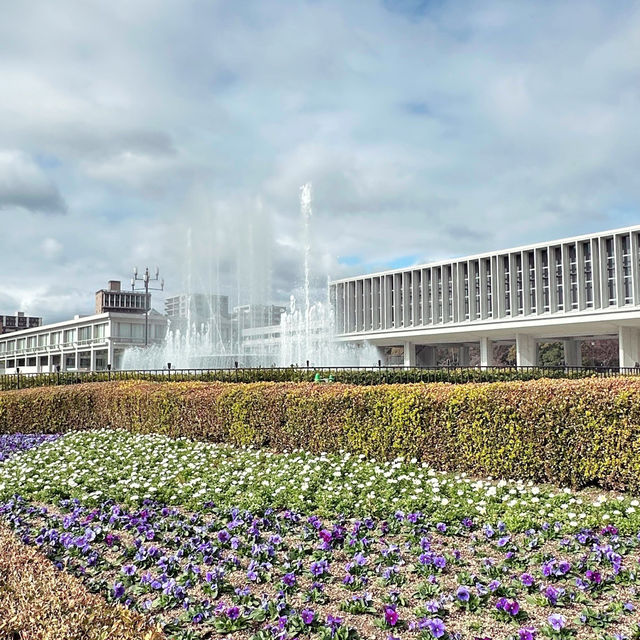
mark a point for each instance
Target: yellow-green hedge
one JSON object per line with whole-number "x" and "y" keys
{"x": 570, "y": 432}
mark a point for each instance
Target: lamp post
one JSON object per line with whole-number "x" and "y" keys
{"x": 146, "y": 279}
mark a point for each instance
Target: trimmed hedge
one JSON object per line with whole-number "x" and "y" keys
{"x": 384, "y": 375}
{"x": 568, "y": 432}
{"x": 40, "y": 602}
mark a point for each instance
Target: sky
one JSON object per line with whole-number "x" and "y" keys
{"x": 178, "y": 133}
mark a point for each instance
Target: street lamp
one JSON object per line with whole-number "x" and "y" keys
{"x": 146, "y": 279}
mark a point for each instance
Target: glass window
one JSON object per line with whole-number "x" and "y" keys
{"x": 558, "y": 277}
{"x": 611, "y": 271}
{"x": 573, "y": 276}
{"x": 21, "y": 343}
{"x": 54, "y": 338}
{"x": 32, "y": 342}
{"x": 626, "y": 268}
{"x": 100, "y": 330}
{"x": 69, "y": 336}
{"x": 507, "y": 286}
{"x": 588, "y": 274}
{"x": 43, "y": 339}
{"x": 84, "y": 333}
{"x": 532, "y": 280}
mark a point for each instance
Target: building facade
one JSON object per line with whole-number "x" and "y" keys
{"x": 9, "y": 324}
{"x": 89, "y": 343}
{"x": 574, "y": 289}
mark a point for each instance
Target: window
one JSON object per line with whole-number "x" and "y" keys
{"x": 489, "y": 297}
{"x": 449, "y": 294}
{"x": 573, "y": 276}
{"x": 611, "y": 271}
{"x": 32, "y": 342}
{"x": 42, "y": 340}
{"x": 69, "y": 336}
{"x": 70, "y": 361}
{"x": 625, "y": 242}
{"x": 54, "y": 338}
{"x": 84, "y": 334}
{"x": 532, "y": 280}
{"x": 476, "y": 278}
{"x": 465, "y": 268}
{"x": 558, "y": 278}
{"x": 588, "y": 274}
{"x": 544, "y": 253}
{"x": 99, "y": 331}
{"x": 507, "y": 286}
{"x": 519, "y": 284}
{"x": 438, "y": 274}
{"x": 21, "y": 344}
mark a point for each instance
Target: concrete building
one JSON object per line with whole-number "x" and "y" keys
{"x": 200, "y": 309}
{"x": 569, "y": 290}
{"x": 114, "y": 299}
{"x": 9, "y": 324}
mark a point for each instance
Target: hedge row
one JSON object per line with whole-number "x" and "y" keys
{"x": 568, "y": 432}
{"x": 392, "y": 375}
{"x": 40, "y": 602}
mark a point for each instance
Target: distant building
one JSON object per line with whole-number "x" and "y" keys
{"x": 8, "y": 324}
{"x": 254, "y": 316}
{"x": 114, "y": 299}
{"x": 85, "y": 343}
{"x": 197, "y": 310}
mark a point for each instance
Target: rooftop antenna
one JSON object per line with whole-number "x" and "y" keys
{"x": 146, "y": 279}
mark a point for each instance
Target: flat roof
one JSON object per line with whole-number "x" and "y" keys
{"x": 78, "y": 321}
{"x": 486, "y": 254}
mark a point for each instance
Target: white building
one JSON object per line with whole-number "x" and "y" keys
{"x": 88, "y": 343}
{"x": 581, "y": 288}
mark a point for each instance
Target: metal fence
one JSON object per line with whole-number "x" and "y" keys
{"x": 381, "y": 374}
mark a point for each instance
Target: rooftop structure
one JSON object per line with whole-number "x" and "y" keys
{"x": 114, "y": 299}
{"x": 8, "y": 324}
{"x": 570, "y": 290}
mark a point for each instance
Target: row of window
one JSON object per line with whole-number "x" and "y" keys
{"x": 549, "y": 279}
{"x": 55, "y": 338}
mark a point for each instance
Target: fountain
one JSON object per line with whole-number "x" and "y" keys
{"x": 252, "y": 335}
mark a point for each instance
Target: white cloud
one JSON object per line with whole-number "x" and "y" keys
{"x": 429, "y": 128}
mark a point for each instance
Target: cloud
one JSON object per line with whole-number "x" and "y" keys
{"x": 429, "y": 128}
{"x": 23, "y": 185}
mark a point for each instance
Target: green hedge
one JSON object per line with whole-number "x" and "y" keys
{"x": 569, "y": 432}
{"x": 397, "y": 375}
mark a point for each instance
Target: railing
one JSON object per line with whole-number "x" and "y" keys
{"x": 382, "y": 374}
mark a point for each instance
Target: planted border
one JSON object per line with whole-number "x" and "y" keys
{"x": 567, "y": 432}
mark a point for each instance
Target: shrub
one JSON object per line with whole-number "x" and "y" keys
{"x": 569, "y": 432}
{"x": 38, "y": 601}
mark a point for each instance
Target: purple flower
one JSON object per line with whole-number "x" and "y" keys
{"x": 527, "y": 633}
{"x": 307, "y": 616}
{"x": 223, "y": 536}
{"x": 118, "y": 590}
{"x": 527, "y": 579}
{"x": 557, "y": 621}
{"x": 128, "y": 569}
{"x": 463, "y": 594}
{"x": 436, "y": 626}
{"x": 391, "y": 616}
{"x": 233, "y": 613}
{"x": 289, "y": 579}
{"x": 319, "y": 568}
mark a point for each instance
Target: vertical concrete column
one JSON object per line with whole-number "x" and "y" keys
{"x": 572, "y": 353}
{"x": 486, "y": 352}
{"x": 93, "y": 359}
{"x": 525, "y": 350}
{"x": 629, "y": 346}
{"x": 409, "y": 354}
{"x": 463, "y": 356}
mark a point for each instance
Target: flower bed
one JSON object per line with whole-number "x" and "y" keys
{"x": 576, "y": 433}
{"x": 13, "y": 443}
{"x": 210, "y": 540}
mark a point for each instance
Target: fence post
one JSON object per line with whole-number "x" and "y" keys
{"x": 18, "y": 376}
{"x": 169, "y": 374}
{"x": 236, "y": 367}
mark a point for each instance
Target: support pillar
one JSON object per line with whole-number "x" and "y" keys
{"x": 463, "y": 356}
{"x": 426, "y": 357}
{"x": 572, "y": 353}
{"x": 629, "y": 346}
{"x": 409, "y": 354}
{"x": 525, "y": 350}
{"x": 486, "y": 353}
